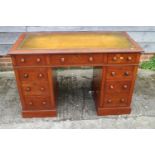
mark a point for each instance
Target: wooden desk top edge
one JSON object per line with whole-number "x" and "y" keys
{"x": 15, "y": 50}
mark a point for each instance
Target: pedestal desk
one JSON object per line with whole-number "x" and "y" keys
{"x": 114, "y": 57}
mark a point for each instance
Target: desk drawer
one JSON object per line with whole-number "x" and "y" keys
{"x": 123, "y": 58}
{"x": 120, "y": 72}
{"x": 118, "y": 86}
{"x": 119, "y": 100}
{"x": 29, "y": 60}
{"x": 77, "y": 59}
{"x": 32, "y": 74}
{"x": 37, "y": 103}
{"x": 35, "y": 88}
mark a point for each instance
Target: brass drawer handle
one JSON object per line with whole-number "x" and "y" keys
{"x": 111, "y": 87}
{"x": 40, "y": 75}
{"x": 30, "y": 103}
{"x": 122, "y": 100}
{"x": 90, "y": 59}
{"x": 22, "y": 60}
{"x": 113, "y": 73}
{"x": 42, "y": 88}
{"x": 44, "y": 103}
{"x": 126, "y": 73}
{"x": 28, "y": 89}
{"x": 62, "y": 59}
{"x": 109, "y": 101}
{"x": 125, "y": 86}
{"x": 26, "y": 75}
{"x": 129, "y": 58}
{"x": 114, "y": 58}
{"x": 121, "y": 58}
{"x": 38, "y": 60}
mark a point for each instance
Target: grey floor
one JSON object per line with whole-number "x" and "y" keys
{"x": 75, "y": 105}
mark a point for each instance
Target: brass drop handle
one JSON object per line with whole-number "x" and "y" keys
{"x": 114, "y": 58}
{"x": 26, "y": 75}
{"x": 91, "y": 59}
{"x": 126, "y": 73}
{"x": 40, "y": 75}
{"x": 109, "y": 101}
{"x": 122, "y": 100}
{"x": 62, "y": 59}
{"x": 125, "y": 86}
{"x": 30, "y": 103}
{"x": 113, "y": 73}
{"x": 44, "y": 103}
{"x": 129, "y": 58}
{"x": 28, "y": 89}
{"x": 111, "y": 87}
{"x": 38, "y": 59}
{"x": 42, "y": 88}
{"x": 22, "y": 60}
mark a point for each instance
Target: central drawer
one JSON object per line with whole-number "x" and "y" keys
{"x": 77, "y": 59}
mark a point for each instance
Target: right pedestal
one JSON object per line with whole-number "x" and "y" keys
{"x": 113, "y": 89}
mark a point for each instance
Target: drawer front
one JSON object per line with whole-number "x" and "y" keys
{"x": 29, "y": 74}
{"x": 37, "y": 103}
{"x": 119, "y": 72}
{"x": 35, "y": 88}
{"x": 77, "y": 59}
{"x": 117, "y": 86}
{"x": 123, "y": 58}
{"x": 30, "y": 60}
{"x": 119, "y": 100}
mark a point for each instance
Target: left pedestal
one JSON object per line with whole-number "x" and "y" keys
{"x": 37, "y": 88}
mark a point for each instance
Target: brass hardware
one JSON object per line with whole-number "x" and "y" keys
{"x": 62, "y": 59}
{"x": 129, "y": 58}
{"x": 90, "y": 58}
{"x": 40, "y": 75}
{"x": 44, "y": 103}
{"x": 22, "y": 60}
{"x": 122, "y": 100}
{"x": 113, "y": 73}
{"x": 28, "y": 89}
{"x": 121, "y": 58}
{"x": 38, "y": 59}
{"x": 26, "y": 75}
{"x": 126, "y": 73}
{"x": 111, "y": 87}
{"x": 125, "y": 86}
{"x": 42, "y": 88}
{"x": 30, "y": 103}
{"x": 114, "y": 58}
{"x": 109, "y": 101}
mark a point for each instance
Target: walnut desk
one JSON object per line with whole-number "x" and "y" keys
{"x": 114, "y": 57}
